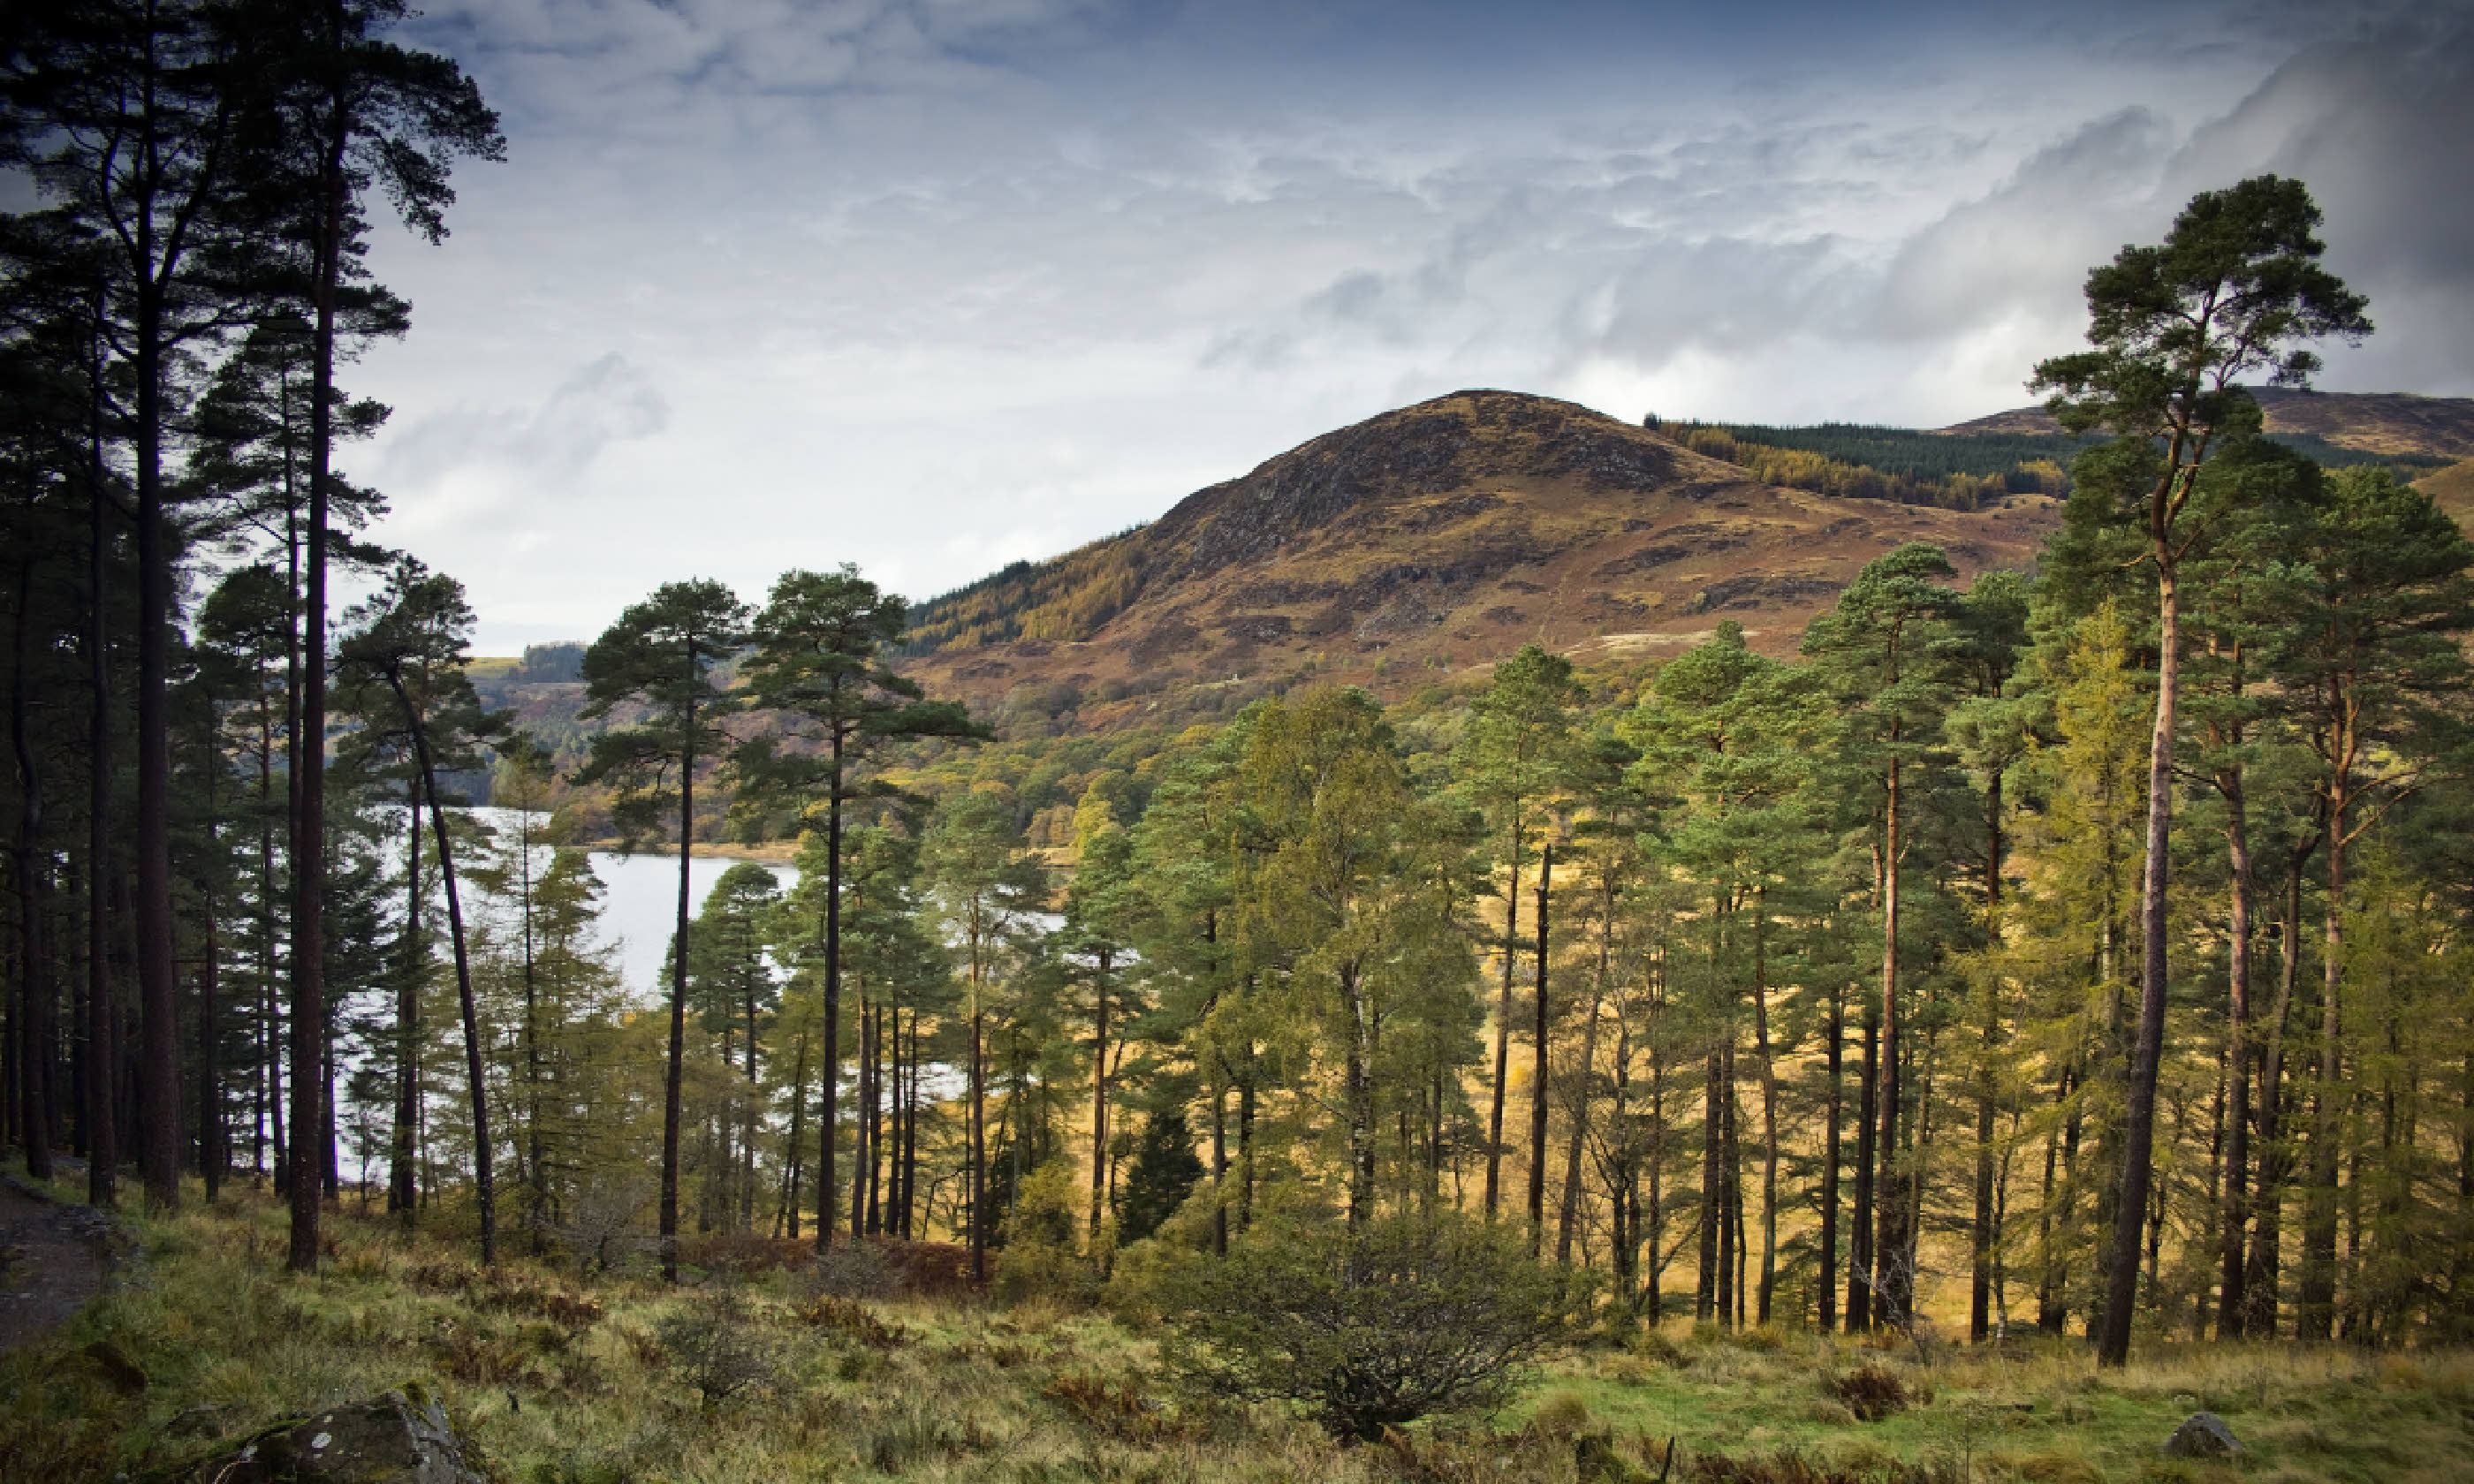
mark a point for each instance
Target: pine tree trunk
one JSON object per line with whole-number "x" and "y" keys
{"x": 673, "y": 1071}
{"x": 1503, "y": 1027}
{"x": 1859, "y": 1227}
{"x": 309, "y": 741}
{"x": 1769, "y": 1113}
{"x": 97, "y": 1122}
{"x": 1099, "y": 1093}
{"x": 827, "y": 1114}
{"x": 37, "y": 994}
{"x": 400, "y": 1196}
{"x": 484, "y": 1190}
{"x": 1834, "y": 1058}
{"x": 2234, "y": 1211}
{"x": 1979, "y": 1289}
{"x": 1538, "y": 1036}
{"x": 2122, "y": 1271}
{"x": 1890, "y": 1282}
{"x": 1580, "y": 1085}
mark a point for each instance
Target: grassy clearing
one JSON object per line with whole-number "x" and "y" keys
{"x": 562, "y": 1382}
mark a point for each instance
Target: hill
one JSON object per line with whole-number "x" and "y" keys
{"x": 1436, "y": 537}
{"x": 2378, "y": 423}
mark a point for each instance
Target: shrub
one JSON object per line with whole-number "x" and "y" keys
{"x": 1871, "y": 1392}
{"x": 1368, "y": 1329}
{"x": 718, "y": 1348}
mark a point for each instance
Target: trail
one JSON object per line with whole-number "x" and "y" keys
{"x": 50, "y": 1263}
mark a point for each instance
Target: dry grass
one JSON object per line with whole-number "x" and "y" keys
{"x": 564, "y": 1382}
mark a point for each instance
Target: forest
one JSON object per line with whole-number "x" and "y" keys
{"x": 2073, "y": 957}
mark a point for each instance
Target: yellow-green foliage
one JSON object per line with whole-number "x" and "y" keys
{"x": 1797, "y": 468}
{"x": 563, "y": 1381}
{"x": 1063, "y": 600}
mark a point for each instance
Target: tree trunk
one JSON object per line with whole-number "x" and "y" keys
{"x": 1099, "y": 1091}
{"x": 2130, "y": 1208}
{"x": 483, "y": 1188}
{"x": 673, "y": 1071}
{"x": 1769, "y": 1113}
{"x": 1571, "y": 1208}
{"x": 2315, "y": 1318}
{"x": 96, "y": 1119}
{"x": 36, "y": 993}
{"x": 1979, "y": 1287}
{"x": 309, "y": 742}
{"x": 1859, "y": 1227}
{"x": 1892, "y": 1284}
{"x": 827, "y": 1114}
{"x": 1537, "y": 1075}
{"x": 402, "y": 1196}
{"x": 2233, "y": 1215}
{"x": 1503, "y": 1024}
{"x": 1833, "y": 1057}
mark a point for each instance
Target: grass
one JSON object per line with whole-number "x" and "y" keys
{"x": 563, "y": 1381}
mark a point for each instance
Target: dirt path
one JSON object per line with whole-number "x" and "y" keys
{"x": 50, "y": 1263}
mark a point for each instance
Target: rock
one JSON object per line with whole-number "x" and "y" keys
{"x": 391, "y": 1439}
{"x": 2202, "y": 1435}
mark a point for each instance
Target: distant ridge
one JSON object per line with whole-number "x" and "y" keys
{"x": 2390, "y": 422}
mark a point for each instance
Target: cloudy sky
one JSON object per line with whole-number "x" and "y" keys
{"x": 929, "y": 285}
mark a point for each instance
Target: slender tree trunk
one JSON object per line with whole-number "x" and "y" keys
{"x": 978, "y": 1131}
{"x": 1979, "y": 1289}
{"x": 484, "y": 1190}
{"x": 1099, "y": 1091}
{"x": 1891, "y": 1284}
{"x": 2259, "y": 1267}
{"x": 309, "y": 742}
{"x": 98, "y": 1122}
{"x": 1769, "y": 1111}
{"x": 1220, "y": 1164}
{"x": 36, "y": 993}
{"x": 827, "y": 1114}
{"x": 536, "y": 1154}
{"x": 1503, "y": 1022}
{"x": 1833, "y": 1057}
{"x": 1537, "y": 1075}
{"x": 2233, "y": 1215}
{"x": 2316, "y": 1316}
{"x": 158, "y": 1028}
{"x": 2121, "y": 1272}
{"x": 1859, "y": 1230}
{"x": 795, "y": 1151}
{"x": 1707, "y": 1299}
{"x": 402, "y": 1196}
{"x": 1572, "y": 1203}
{"x": 673, "y": 1071}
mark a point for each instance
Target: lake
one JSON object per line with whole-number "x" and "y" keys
{"x": 640, "y": 903}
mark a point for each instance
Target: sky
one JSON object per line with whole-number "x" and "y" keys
{"x": 934, "y": 285}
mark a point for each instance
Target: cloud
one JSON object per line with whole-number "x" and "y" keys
{"x": 550, "y": 446}
{"x": 929, "y": 285}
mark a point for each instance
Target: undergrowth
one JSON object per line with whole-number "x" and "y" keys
{"x": 761, "y": 1376}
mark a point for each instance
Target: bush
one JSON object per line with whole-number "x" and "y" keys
{"x": 1368, "y": 1329}
{"x": 1871, "y": 1392}
{"x": 718, "y": 1348}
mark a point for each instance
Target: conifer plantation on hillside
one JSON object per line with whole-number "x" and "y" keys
{"x": 2031, "y": 958}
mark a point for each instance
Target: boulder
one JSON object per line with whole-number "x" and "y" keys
{"x": 392, "y": 1438}
{"x": 2202, "y": 1435}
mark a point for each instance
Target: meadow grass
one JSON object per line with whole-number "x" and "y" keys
{"x": 561, "y": 1379}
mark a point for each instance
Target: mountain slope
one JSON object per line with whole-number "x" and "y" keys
{"x": 2390, "y": 422}
{"x": 1439, "y": 536}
